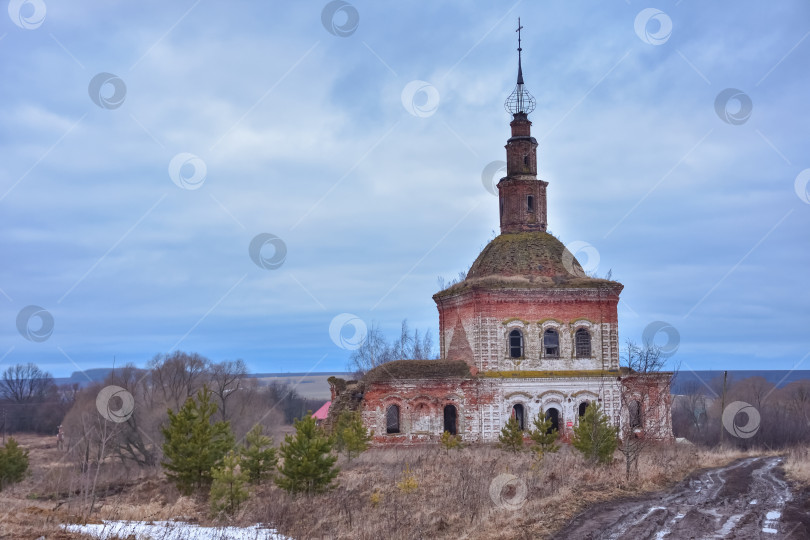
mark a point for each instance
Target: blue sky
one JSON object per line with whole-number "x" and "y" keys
{"x": 275, "y": 123}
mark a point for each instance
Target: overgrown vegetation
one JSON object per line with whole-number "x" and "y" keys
{"x": 595, "y": 436}
{"x": 544, "y": 436}
{"x": 195, "y": 444}
{"x": 511, "y": 436}
{"x": 13, "y": 463}
{"x": 308, "y": 466}
{"x": 376, "y": 349}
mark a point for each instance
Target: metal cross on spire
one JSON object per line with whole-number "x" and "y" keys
{"x": 520, "y": 100}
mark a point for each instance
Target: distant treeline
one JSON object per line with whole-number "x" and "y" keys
{"x": 30, "y": 400}
{"x": 743, "y": 412}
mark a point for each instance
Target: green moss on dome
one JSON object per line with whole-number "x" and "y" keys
{"x": 527, "y": 260}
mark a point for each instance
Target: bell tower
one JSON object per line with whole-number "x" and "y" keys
{"x": 522, "y": 197}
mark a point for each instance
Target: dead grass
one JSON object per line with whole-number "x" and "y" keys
{"x": 450, "y": 496}
{"x": 797, "y": 465}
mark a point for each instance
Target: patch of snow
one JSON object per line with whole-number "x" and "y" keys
{"x": 753, "y": 502}
{"x": 172, "y": 530}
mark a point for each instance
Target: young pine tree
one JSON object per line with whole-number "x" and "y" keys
{"x": 193, "y": 444}
{"x": 595, "y": 436}
{"x": 511, "y": 437}
{"x": 258, "y": 455}
{"x": 450, "y": 442}
{"x": 545, "y": 438}
{"x": 13, "y": 463}
{"x": 228, "y": 486}
{"x": 308, "y": 466}
{"x": 351, "y": 436}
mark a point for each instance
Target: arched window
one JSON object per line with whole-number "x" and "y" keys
{"x": 583, "y": 343}
{"x": 518, "y": 413}
{"x": 582, "y": 408}
{"x": 516, "y": 344}
{"x": 450, "y": 419}
{"x": 553, "y": 415}
{"x": 635, "y": 414}
{"x": 551, "y": 343}
{"x": 392, "y": 419}
{"x": 530, "y": 203}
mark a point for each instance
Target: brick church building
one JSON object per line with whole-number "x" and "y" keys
{"x": 527, "y": 332}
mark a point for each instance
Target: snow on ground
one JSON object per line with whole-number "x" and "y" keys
{"x": 172, "y": 530}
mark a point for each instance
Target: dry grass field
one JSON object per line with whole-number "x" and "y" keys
{"x": 422, "y": 492}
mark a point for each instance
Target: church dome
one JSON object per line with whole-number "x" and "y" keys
{"x": 527, "y": 260}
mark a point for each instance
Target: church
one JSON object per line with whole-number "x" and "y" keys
{"x": 527, "y": 332}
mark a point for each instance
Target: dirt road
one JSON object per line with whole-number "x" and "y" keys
{"x": 745, "y": 500}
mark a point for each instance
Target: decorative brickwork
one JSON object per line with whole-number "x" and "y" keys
{"x": 526, "y": 333}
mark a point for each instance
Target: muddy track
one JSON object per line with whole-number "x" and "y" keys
{"x": 745, "y": 500}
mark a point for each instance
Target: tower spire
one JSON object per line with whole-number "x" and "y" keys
{"x": 520, "y": 50}
{"x": 521, "y": 194}
{"x": 520, "y": 100}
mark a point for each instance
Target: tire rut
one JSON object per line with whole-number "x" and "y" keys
{"x": 743, "y": 500}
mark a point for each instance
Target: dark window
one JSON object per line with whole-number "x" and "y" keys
{"x": 635, "y": 414}
{"x": 530, "y": 203}
{"x": 392, "y": 419}
{"x": 516, "y": 344}
{"x": 450, "y": 419}
{"x": 551, "y": 343}
{"x": 553, "y": 415}
{"x": 583, "y": 343}
{"x": 518, "y": 414}
{"x": 582, "y": 408}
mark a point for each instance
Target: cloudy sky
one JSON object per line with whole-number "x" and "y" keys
{"x": 146, "y": 146}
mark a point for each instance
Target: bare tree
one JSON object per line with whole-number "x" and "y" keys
{"x": 178, "y": 376}
{"x": 225, "y": 379}
{"x": 25, "y": 383}
{"x": 376, "y": 350}
{"x": 645, "y": 403}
